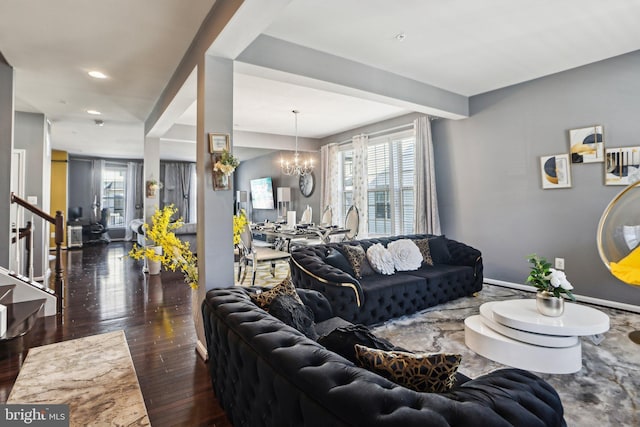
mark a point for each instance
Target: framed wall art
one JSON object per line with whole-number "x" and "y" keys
{"x": 219, "y": 146}
{"x": 587, "y": 145}
{"x": 555, "y": 171}
{"x": 622, "y": 166}
{"x": 218, "y": 142}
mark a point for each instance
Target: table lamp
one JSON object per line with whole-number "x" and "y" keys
{"x": 284, "y": 198}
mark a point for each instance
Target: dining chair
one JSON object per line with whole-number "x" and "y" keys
{"x": 352, "y": 223}
{"x": 306, "y": 216}
{"x": 327, "y": 217}
{"x": 252, "y": 255}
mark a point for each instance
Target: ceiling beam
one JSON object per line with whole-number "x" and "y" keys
{"x": 281, "y": 60}
{"x": 228, "y": 29}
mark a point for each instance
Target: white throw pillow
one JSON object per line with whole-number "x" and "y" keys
{"x": 380, "y": 259}
{"x": 406, "y": 255}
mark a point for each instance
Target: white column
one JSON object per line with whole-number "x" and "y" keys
{"x": 215, "y": 208}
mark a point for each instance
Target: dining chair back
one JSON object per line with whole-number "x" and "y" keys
{"x": 306, "y": 216}
{"x": 352, "y": 223}
{"x": 254, "y": 255}
{"x": 327, "y": 217}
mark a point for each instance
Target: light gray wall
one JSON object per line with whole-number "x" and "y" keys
{"x": 30, "y": 135}
{"x": 269, "y": 165}
{"x": 488, "y": 177}
{"x": 6, "y": 149}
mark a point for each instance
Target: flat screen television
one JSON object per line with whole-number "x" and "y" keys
{"x": 262, "y": 193}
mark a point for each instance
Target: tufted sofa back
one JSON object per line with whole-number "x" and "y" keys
{"x": 265, "y": 373}
{"x": 377, "y": 298}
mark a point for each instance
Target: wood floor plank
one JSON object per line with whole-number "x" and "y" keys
{"x": 105, "y": 292}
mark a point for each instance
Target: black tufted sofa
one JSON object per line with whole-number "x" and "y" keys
{"x": 265, "y": 373}
{"x": 377, "y": 298}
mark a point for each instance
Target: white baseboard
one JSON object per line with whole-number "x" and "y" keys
{"x": 202, "y": 351}
{"x": 590, "y": 300}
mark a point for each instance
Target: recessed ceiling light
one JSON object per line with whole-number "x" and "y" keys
{"x": 400, "y": 37}
{"x": 94, "y": 112}
{"x": 97, "y": 74}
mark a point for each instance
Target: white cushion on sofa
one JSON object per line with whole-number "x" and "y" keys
{"x": 406, "y": 255}
{"x": 380, "y": 259}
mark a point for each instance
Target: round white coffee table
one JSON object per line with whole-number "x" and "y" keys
{"x": 514, "y": 333}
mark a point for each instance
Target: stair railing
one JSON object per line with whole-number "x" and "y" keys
{"x": 58, "y": 222}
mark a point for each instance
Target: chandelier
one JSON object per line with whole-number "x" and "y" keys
{"x": 296, "y": 166}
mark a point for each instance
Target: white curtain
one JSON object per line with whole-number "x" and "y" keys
{"x": 360, "y": 185}
{"x": 96, "y": 203}
{"x": 134, "y": 197}
{"x": 427, "y": 218}
{"x": 330, "y": 184}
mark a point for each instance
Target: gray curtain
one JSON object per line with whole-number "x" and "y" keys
{"x": 427, "y": 218}
{"x": 179, "y": 188}
{"x": 135, "y": 197}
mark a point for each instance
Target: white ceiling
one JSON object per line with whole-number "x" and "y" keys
{"x": 463, "y": 46}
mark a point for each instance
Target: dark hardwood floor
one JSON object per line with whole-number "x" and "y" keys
{"x": 106, "y": 291}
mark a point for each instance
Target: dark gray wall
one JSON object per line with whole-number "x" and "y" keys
{"x": 269, "y": 165}
{"x": 488, "y": 177}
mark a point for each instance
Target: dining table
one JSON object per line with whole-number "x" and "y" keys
{"x": 283, "y": 235}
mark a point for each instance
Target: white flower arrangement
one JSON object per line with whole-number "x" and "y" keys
{"x": 227, "y": 163}
{"x": 547, "y": 279}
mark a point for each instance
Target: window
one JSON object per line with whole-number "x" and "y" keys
{"x": 390, "y": 183}
{"x": 114, "y": 178}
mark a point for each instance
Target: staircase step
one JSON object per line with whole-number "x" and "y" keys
{"x": 28, "y": 281}
{"x": 6, "y": 294}
{"x": 21, "y": 316}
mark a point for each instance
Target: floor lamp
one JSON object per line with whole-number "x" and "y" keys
{"x": 284, "y": 197}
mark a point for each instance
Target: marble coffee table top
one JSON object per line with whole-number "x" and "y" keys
{"x": 94, "y": 375}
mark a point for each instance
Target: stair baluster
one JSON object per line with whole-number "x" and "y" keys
{"x": 58, "y": 222}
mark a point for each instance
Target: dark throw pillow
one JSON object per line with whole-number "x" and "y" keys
{"x": 287, "y": 309}
{"x": 338, "y": 260}
{"x": 432, "y": 373}
{"x": 357, "y": 257}
{"x": 439, "y": 251}
{"x": 264, "y": 299}
{"x": 423, "y": 245}
{"x": 343, "y": 341}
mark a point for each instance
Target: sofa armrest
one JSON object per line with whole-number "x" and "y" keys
{"x": 462, "y": 254}
{"x": 310, "y": 271}
{"x": 317, "y": 303}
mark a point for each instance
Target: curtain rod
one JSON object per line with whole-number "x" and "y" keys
{"x": 406, "y": 126}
